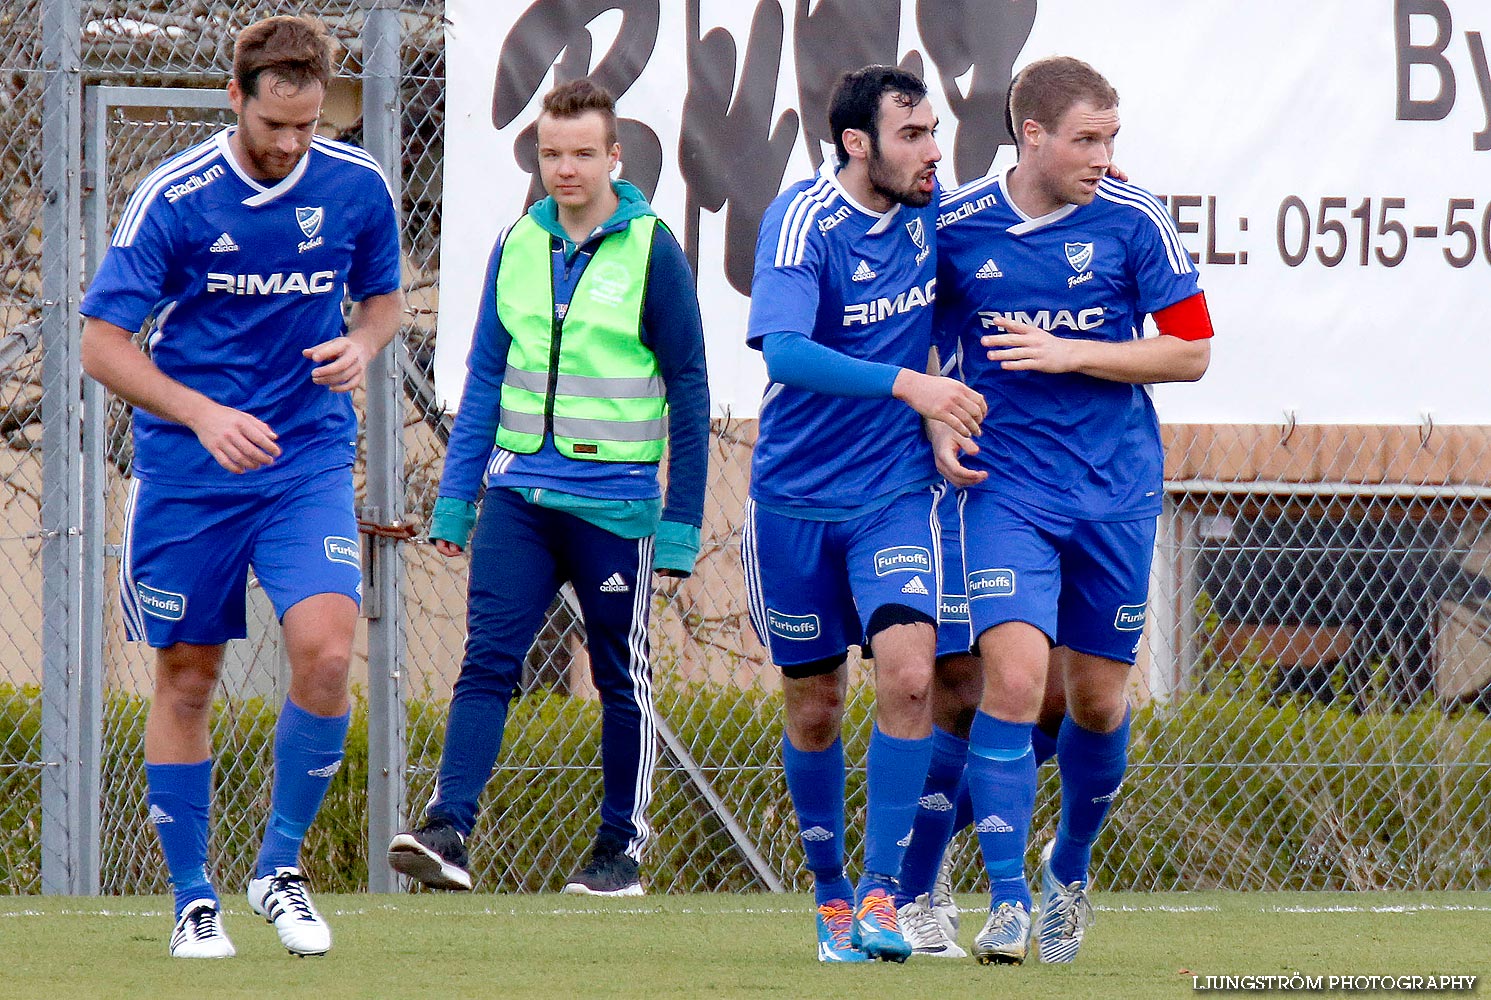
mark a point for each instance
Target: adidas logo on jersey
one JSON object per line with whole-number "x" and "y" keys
{"x": 817, "y": 834}
{"x": 992, "y": 824}
{"x": 223, "y": 244}
{"x": 159, "y": 815}
{"x": 937, "y": 803}
{"x": 915, "y": 586}
{"x": 327, "y": 771}
{"x": 614, "y": 585}
{"x": 989, "y": 270}
{"x": 862, "y": 273}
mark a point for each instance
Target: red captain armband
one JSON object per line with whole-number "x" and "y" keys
{"x": 1188, "y": 319}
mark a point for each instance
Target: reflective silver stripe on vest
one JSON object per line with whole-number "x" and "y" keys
{"x": 586, "y": 386}
{"x": 522, "y": 423}
{"x": 610, "y": 430}
{"x": 587, "y": 430}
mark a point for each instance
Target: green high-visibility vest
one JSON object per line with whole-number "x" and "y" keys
{"x": 586, "y": 379}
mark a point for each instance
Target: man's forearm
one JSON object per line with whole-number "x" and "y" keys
{"x": 376, "y": 319}
{"x": 1150, "y": 360}
{"x": 111, "y": 358}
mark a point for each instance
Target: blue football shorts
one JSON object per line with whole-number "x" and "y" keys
{"x": 1083, "y": 583}
{"x": 813, "y": 586}
{"x": 186, "y": 554}
{"x": 953, "y": 633}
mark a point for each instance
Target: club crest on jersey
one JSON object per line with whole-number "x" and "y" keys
{"x": 918, "y": 231}
{"x": 1079, "y": 255}
{"x": 310, "y": 220}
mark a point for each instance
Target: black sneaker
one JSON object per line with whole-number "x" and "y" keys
{"x": 607, "y": 873}
{"x": 434, "y": 854}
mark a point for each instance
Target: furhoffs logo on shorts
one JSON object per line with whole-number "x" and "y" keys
{"x": 1130, "y": 618}
{"x": 991, "y": 583}
{"x": 161, "y": 603}
{"x": 343, "y": 550}
{"x": 903, "y": 559}
{"x": 792, "y": 626}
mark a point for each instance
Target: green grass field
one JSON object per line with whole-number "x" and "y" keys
{"x": 566, "y": 948}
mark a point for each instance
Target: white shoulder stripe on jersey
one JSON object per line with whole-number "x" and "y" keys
{"x": 800, "y": 214}
{"x": 352, "y": 154}
{"x": 971, "y": 187}
{"x": 800, "y": 203}
{"x": 140, "y": 202}
{"x": 1124, "y": 194}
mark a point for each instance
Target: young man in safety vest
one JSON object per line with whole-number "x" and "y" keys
{"x": 588, "y": 357}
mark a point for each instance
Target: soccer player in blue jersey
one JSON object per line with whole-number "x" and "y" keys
{"x": 840, "y": 541}
{"x": 239, "y": 253}
{"x": 588, "y": 357}
{"x": 1047, "y": 273}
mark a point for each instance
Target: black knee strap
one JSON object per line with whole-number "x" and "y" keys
{"x": 888, "y": 615}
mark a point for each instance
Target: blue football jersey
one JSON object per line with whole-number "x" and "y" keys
{"x": 236, "y": 279}
{"x": 861, "y": 283}
{"x": 1068, "y": 443}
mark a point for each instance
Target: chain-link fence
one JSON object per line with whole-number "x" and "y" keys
{"x": 1311, "y": 698}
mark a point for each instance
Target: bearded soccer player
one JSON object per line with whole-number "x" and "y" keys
{"x": 238, "y": 254}
{"x": 840, "y": 543}
{"x": 1047, "y": 273}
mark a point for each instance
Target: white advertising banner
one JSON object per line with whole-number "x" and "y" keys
{"x": 1328, "y": 164}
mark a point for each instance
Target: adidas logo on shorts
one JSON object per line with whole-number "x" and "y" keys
{"x": 937, "y": 803}
{"x": 992, "y": 824}
{"x": 614, "y": 585}
{"x": 817, "y": 834}
{"x": 915, "y": 586}
{"x": 223, "y": 244}
{"x": 862, "y": 273}
{"x": 989, "y": 270}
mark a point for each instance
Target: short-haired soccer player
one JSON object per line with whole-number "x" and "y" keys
{"x": 840, "y": 542}
{"x": 240, "y": 251}
{"x": 1047, "y": 272}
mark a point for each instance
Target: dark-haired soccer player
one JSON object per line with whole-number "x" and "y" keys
{"x": 840, "y": 543}
{"x": 1047, "y": 273}
{"x": 240, "y": 251}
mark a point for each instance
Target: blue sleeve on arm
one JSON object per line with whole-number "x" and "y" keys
{"x": 475, "y": 431}
{"x": 673, "y": 330}
{"x": 796, "y": 361}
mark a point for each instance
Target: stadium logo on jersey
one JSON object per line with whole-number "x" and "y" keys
{"x": 280, "y": 283}
{"x": 309, "y": 220}
{"x": 161, "y": 603}
{"x": 862, "y": 273}
{"x": 223, "y": 244}
{"x": 1130, "y": 618}
{"x": 989, "y": 270}
{"x": 194, "y": 183}
{"x": 918, "y": 231}
{"x": 966, "y": 209}
{"x": 953, "y": 608}
{"x": 915, "y": 587}
{"x": 991, "y": 583}
{"x": 903, "y": 559}
{"x": 792, "y": 626}
{"x": 1079, "y": 255}
{"x": 1061, "y": 319}
{"x": 865, "y": 313}
{"x": 608, "y": 283}
{"x": 342, "y": 550}
{"x": 828, "y": 222}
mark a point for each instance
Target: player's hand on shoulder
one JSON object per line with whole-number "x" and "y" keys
{"x": 342, "y": 362}
{"x": 1023, "y": 347}
{"x": 238, "y": 441}
{"x": 948, "y": 447}
{"x": 941, "y": 399}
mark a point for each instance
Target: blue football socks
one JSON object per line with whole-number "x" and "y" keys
{"x": 178, "y": 796}
{"x": 1092, "y": 768}
{"x": 815, "y": 780}
{"x": 307, "y": 753}
{"x": 1001, "y": 783}
{"x": 895, "y": 771}
{"x": 933, "y": 826}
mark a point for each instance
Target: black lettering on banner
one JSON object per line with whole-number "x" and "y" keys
{"x": 839, "y": 35}
{"x": 964, "y": 35}
{"x": 1431, "y": 55}
{"x": 551, "y": 28}
{"x": 1483, "y": 81}
{"x": 729, "y": 151}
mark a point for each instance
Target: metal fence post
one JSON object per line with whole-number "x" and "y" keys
{"x": 69, "y": 744}
{"x": 385, "y": 474}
